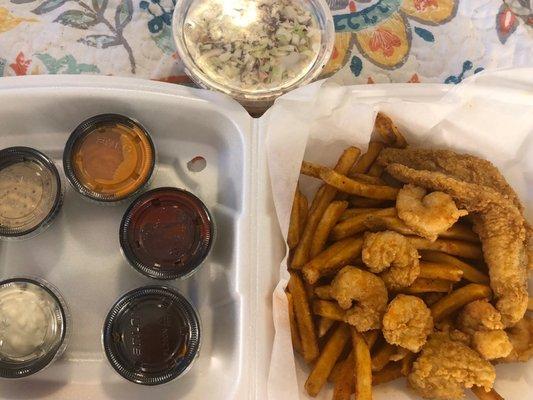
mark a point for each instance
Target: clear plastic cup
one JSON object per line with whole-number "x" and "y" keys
{"x": 253, "y": 50}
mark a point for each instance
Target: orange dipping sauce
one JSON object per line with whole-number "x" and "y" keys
{"x": 109, "y": 159}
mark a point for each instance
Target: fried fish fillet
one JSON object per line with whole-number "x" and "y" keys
{"x": 463, "y": 167}
{"x": 500, "y": 226}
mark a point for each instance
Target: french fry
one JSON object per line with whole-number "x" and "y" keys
{"x": 303, "y": 210}
{"x": 382, "y": 356}
{"x": 423, "y": 285}
{"x": 351, "y": 186}
{"x": 332, "y": 259}
{"x": 336, "y": 370}
{"x": 318, "y": 198}
{"x": 399, "y": 354}
{"x": 454, "y": 247}
{"x": 295, "y": 335}
{"x": 327, "y": 359}
{"x": 356, "y": 224}
{"x": 344, "y": 382}
{"x": 324, "y": 325}
{"x": 328, "y": 309}
{"x": 352, "y": 212}
{"x": 380, "y": 223}
{"x": 407, "y": 363}
{"x": 326, "y": 224}
{"x": 293, "y": 236}
{"x": 323, "y": 292}
{"x": 363, "y": 202}
{"x": 371, "y": 337}
{"x": 482, "y": 395}
{"x": 457, "y": 299}
{"x": 530, "y": 304}
{"x": 301, "y": 253}
{"x": 389, "y": 373}
{"x": 367, "y": 159}
{"x": 460, "y": 232}
{"x": 469, "y": 273}
{"x": 389, "y": 132}
{"x": 302, "y": 311}
{"x": 376, "y": 170}
{"x": 312, "y": 169}
{"x": 373, "y": 180}
{"x": 447, "y": 272}
{"x": 363, "y": 371}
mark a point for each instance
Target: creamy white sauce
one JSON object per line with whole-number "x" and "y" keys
{"x": 28, "y": 322}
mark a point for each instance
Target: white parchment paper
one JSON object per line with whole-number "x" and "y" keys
{"x": 490, "y": 115}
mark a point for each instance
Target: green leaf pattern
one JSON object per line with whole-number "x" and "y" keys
{"x": 77, "y": 19}
{"x": 65, "y": 65}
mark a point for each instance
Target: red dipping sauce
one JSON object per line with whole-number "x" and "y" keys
{"x": 167, "y": 233}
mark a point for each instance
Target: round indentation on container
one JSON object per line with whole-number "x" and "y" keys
{"x": 167, "y": 233}
{"x": 197, "y": 164}
{"x": 109, "y": 157}
{"x": 34, "y": 326}
{"x": 30, "y": 192}
{"x": 152, "y": 335}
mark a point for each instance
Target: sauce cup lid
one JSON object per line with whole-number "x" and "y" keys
{"x": 30, "y": 185}
{"x": 109, "y": 157}
{"x": 152, "y": 335}
{"x": 167, "y": 233}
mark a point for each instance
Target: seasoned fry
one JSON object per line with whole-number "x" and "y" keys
{"x": 382, "y": 356}
{"x": 328, "y": 309}
{"x": 356, "y": 224}
{"x": 367, "y": 159}
{"x": 469, "y": 273}
{"x": 327, "y": 359}
{"x": 293, "y": 236}
{"x": 530, "y": 304}
{"x": 460, "y": 232}
{"x": 344, "y": 382}
{"x": 371, "y": 337}
{"x": 336, "y": 370}
{"x": 376, "y": 170}
{"x": 447, "y": 272}
{"x": 390, "y": 372}
{"x": 312, "y": 169}
{"x": 323, "y": 292}
{"x": 352, "y": 212}
{"x": 304, "y": 318}
{"x": 407, "y": 363}
{"x": 423, "y": 285}
{"x": 333, "y": 259}
{"x": 324, "y": 325}
{"x": 363, "y": 371}
{"x": 453, "y": 247}
{"x": 326, "y": 224}
{"x": 303, "y": 210}
{"x": 373, "y": 180}
{"x": 482, "y": 395}
{"x": 389, "y": 132}
{"x": 351, "y": 186}
{"x": 457, "y": 299}
{"x": 362, "y": 202}
{"x": 380, "y": 223}
{"x": 295, "y": 335}
{"x": 301, "y": 254}
{"x": 318, "y": 198}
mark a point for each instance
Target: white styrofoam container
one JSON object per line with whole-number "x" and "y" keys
{"x": 80, "y": 253}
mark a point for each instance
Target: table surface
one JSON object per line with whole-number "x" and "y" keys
{"x": 441, "y": 41}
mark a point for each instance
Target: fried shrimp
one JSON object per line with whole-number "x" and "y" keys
{"x": 521, "y": 336}
{"x": 393, "y": 257}
{"x": 407, "y": 322}
{"x": 363, "y": 295}
{"x": 446, "y": 367}
{"x": 427, "y": 214}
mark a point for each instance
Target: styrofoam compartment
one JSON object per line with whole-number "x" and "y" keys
{"x": 80, "y": 252}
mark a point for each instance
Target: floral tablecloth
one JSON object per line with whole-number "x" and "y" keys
{"x": 376, "y": 41}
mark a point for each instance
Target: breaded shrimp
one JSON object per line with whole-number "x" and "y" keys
{"x": 407, "y": 322}
{"x": 479, "y": 315}
{"x": 446, "y": 367}
{"x": 521, "y": 336}
{"x": 491, "y": 344}
{"x": 393, "y": 257}
{"x": 501, "y": 228}
{"x": 363, "y": 295}
{"x": 428, "y": 215}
